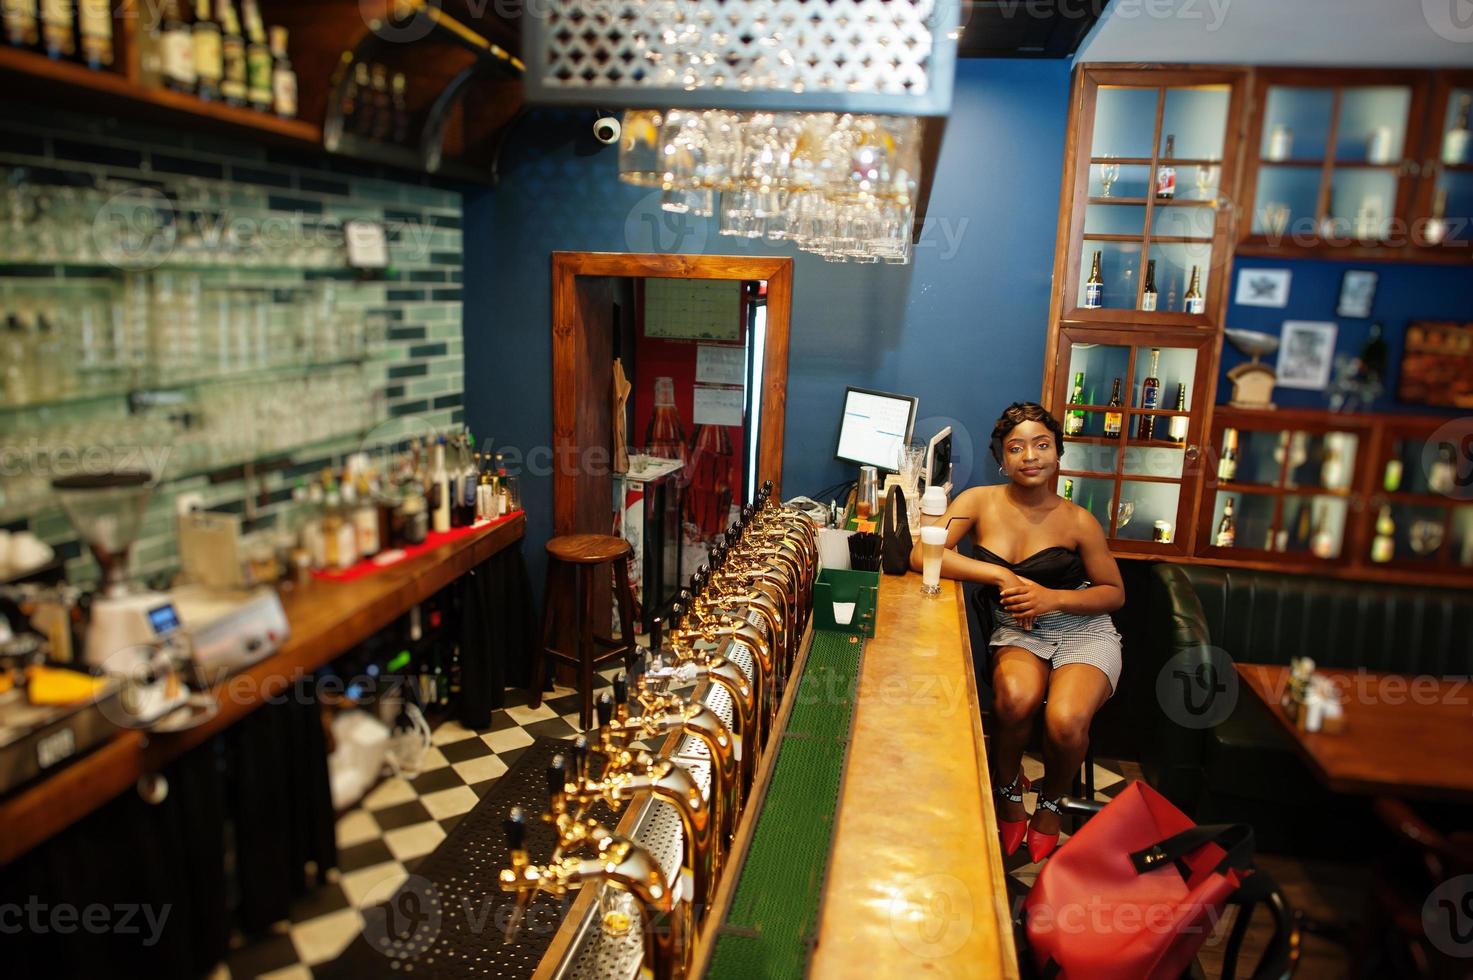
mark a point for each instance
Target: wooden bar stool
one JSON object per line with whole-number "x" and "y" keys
{"x": 575, "y": 559}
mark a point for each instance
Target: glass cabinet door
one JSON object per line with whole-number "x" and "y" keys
{"x": 1149, "y": 223}
{"x": 1278, "y": 489}
{"x": 1130, "y": 456}
{"x": 1421, "y": 516}
{"x": 1333, "y": 158}
{"x": 1445, "y": 207}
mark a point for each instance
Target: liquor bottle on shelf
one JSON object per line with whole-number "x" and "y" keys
{"x": 1165, "y": 173}
{"x": 56, "y": 29}
{"x": 1148, "y": 293}
{"x": 1436, "y": 229}
{"x": 1074, "y": 421}
{"x": 283, "y": 78}
{"x": 383, "y": 111}
{"x": 1455, "y": 142}
{"x": 1227, "y": 465}
{"x": 1177, "y": 430}
{"x": 1321, "y": 542}
{"x": 1373, "y": 353}
{"x": 234, "y": 81}
{"x": 439, "y": 490}
{"x": 1094, "y": 286}
{"x": 361, "y": 121}
{"x": 1114, "y": 420}
{"x": 1383, "y": 547}
{"x": 1303, "y": 528}
{"x": 209, "y": 66}
{"x": 1150, "y": 398}
{"x": 22, "y": 23}
{"x": 1195, "y": 304}
{"x": 1069, "y": 490}
{"x": 258, "y": 58}
{"x": 400, "y": 88}
{"x": 1227, "y": 528}
{"x": 95, "y": 27}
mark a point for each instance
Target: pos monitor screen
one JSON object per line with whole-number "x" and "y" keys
{"x": 876, "y": 427}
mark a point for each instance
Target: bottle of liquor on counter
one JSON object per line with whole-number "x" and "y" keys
{"x": 1177, "y": 430}
{"x": 234, "y": 82}
{"x": 365, "y": 516}
{"x": 1383, "y": 547}
{"x": 1150, "y": 398}
{"x": 1115, "y": 419}
{"x": 1195, "y": 304}
{"x": 1069, "y": 490}
{"x": 1074, "y": 421}
{"x": 258, "y": 58}
{"x": 1227, "y": 465}
{"x": 22, "y": 23}
{"x": 283, "y": 78}
{"x": 1455, "y": 142}
{"x": 383, "y": 110}
{"x": 95, "y": 25}
{"x": 209, "y": 66}
{"x": 1094, "y": 286}
{"x": 57, "y": 29}
{"x": 1148, "y": 292}
{"x": 504, "y": 503}
{"x": 399, "y": 93}
{"x": 439, "y": 490}
{"x": 1227, "y": 531}
{"x": 1165, "y": 173}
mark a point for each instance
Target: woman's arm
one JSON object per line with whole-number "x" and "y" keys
{"x": 959, "y": 520}
{"x": 1105, "y": 594}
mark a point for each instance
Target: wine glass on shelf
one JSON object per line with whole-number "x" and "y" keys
{"x": 1124, "y": 513}
{"x": 1109, "y": 174}
{"x": 1207, "y": 177}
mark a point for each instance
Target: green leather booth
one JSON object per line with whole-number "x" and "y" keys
{"x": 1243, "y": 768}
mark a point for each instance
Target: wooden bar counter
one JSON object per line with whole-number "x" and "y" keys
{"x": 915, "y": 880}
{"x": 327, "y": 619}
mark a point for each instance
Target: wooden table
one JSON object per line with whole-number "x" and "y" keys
{"x": 1404, "y": 736}
{"x": 327, "y": 619}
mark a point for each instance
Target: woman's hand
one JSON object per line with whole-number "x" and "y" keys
{"x": 1026, "y": 599}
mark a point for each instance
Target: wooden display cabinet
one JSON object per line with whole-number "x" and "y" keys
{"x": 1443, "y": 204}
{"x": 1420, "y": 478}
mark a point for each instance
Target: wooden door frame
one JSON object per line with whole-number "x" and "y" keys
{"x": 568, "y": 337}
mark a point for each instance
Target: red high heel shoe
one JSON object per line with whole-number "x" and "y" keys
{"x": 1012, "y": 831}
{"x": 1041, "y": 846}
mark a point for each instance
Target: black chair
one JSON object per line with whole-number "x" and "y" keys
{"x": 1280, "y": 955}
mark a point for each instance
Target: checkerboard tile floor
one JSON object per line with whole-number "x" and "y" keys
{"x": 382, "y": 840}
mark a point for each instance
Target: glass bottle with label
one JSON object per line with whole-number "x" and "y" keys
{"x": 95, "y": 25}
{"x": 1069, "y": 490}
{"x": 258, "y": 58}
{"x": 283, "y": 78}
{"x": 1094, "y": 286}
{"x": 209, "y": 66}
{"x": 22, "y": 23}
{"x": 1166, "y": 174}
{"x": 236, "y": 73}
{"x": 56, "y": 29}
{"x": 1195, "y": 304}
{"x": 1148, "y": 292}
{"x": 1074, "y": 421}
{"x": 1227, "y": 465}
{"x": 1150, "y": 398}
{"x": 1177, "y": 430}
{"x": 1227, "y": 532}
{"x": 1114, "y": 419}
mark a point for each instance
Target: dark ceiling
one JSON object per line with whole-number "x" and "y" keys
{"x": 1025, "y": 28}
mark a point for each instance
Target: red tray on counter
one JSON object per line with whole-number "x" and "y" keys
{"x": 393, "y": 556}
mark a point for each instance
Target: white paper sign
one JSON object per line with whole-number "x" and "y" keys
{"x": 367, "y": 246}
{"x": 718, "y": 406}
{"x": 721, "y": 365}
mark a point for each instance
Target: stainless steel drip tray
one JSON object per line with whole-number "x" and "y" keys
{"x": 593, "y": 955}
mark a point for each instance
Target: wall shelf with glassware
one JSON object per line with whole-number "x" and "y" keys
{"x": 1359, "y": 164}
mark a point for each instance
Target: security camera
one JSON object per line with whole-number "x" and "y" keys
{"x": 606, "y": 130}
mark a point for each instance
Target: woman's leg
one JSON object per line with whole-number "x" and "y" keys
{"x": 1019, "y": 679}
{"x": 1075, "y": 693}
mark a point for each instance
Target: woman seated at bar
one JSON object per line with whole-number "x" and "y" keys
{"x": 1051, "y": 583}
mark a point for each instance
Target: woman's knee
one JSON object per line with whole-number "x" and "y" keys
{"x": 1067, "y": 728}
{"x": 1014, "y": 699}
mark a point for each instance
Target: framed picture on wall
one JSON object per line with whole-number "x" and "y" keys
{"x": 1437, "y": 365}
{"x": 1263, "y": 287}
{"x": 1306, "y": 354}
{"x": 1357, "y": 294}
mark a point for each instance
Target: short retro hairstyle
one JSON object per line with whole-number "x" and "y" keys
{"x": 1015, "y": 415}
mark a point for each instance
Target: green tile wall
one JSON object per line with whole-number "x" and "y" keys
{"x": 410, "y": 376}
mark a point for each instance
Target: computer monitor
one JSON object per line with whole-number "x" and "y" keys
{"x": 876, "y": 427}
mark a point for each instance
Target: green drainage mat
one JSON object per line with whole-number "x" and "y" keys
{"x": 770, "y": 927}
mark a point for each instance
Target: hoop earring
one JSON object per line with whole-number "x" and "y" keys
{"x": 1001, "y": 471}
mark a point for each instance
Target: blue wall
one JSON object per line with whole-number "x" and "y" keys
{"x": 1403, "y": 293}
{"x": 963, "y": 327}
